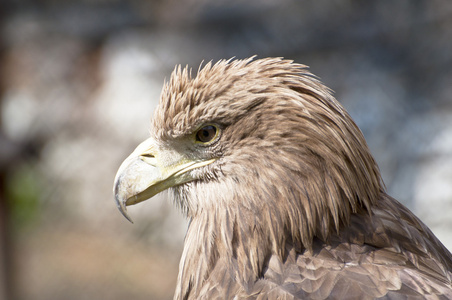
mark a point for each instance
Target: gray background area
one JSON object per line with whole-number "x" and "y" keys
{"x": 79, "y": 81}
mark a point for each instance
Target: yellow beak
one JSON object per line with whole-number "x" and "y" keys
{"x": 150, "y": 170}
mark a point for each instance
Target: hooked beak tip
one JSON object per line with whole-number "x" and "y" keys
{"x": 123, "y": 209}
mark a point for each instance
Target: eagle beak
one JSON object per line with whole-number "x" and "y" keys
{"x": 149, "y": 171}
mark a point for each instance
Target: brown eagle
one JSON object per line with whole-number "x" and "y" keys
{"x": 284, "y": 198}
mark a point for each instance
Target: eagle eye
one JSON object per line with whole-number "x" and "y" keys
{"x": 206, "y": 134}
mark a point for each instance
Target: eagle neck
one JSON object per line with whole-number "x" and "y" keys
{"x": 227, "y": 244}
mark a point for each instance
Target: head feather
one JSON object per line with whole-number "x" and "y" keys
{"x": 288, "y": 149}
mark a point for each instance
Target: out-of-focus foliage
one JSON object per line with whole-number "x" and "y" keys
{"x": 23, "y": 192}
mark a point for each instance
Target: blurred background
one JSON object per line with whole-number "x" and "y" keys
{"x": 79, "y": 81}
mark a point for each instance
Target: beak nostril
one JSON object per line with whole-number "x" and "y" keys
{"x": 148, "y": 158}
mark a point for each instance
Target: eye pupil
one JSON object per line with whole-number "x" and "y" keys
{"x": 206, "y": 134}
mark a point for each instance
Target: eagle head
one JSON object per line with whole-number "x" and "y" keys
{"x": 263, "y": 137}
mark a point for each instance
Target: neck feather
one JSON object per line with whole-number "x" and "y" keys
{"x": 220, "y": 244}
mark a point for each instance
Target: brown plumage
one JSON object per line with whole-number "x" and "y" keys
{"x": 284, "y": 198}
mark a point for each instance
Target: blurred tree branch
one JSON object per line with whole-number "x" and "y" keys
{"x": 5, "y": 241}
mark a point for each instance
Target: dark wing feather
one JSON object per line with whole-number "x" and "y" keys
{"x": 326, "y": 276}
{"x": 396, "y": 262}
